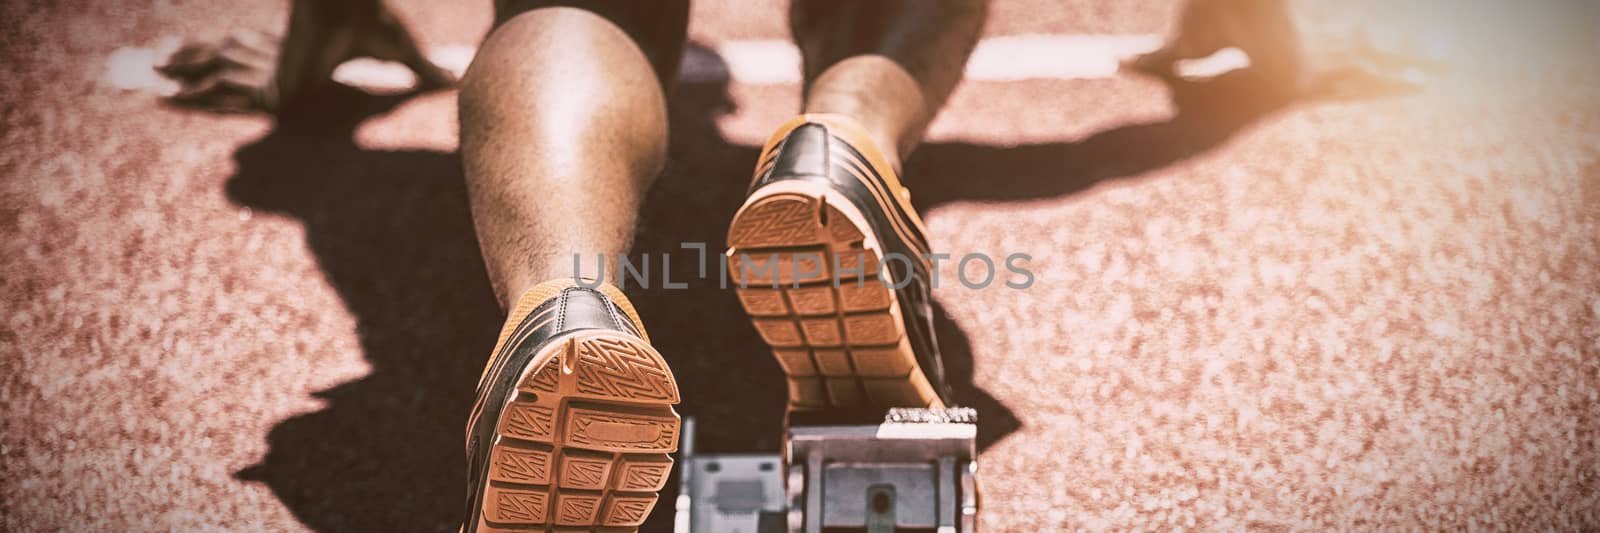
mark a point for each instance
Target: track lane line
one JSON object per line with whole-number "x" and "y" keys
{"x": 763, "y": 62}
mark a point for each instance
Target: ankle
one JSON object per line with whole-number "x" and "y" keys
{"x": 865, "y": 129}
{"x": 882, "y": 99}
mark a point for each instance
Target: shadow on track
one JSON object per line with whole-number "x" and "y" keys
{"x": 392, "y": 232}
{"x": 1208, "y": 114}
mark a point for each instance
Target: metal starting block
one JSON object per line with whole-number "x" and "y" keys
{"x": 913, "y": 470}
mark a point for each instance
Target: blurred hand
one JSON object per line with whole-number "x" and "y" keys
{"x": 251, "y": 71}
{"x": 1302, "y": 48}
{"x": 1260, "y": 28}
{"x": 235, "y": 75}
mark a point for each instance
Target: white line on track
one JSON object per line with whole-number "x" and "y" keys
{"x": 754, "y": 62}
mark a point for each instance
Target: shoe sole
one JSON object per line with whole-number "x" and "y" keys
{"x": 842, "y": 345}
{"x": 582, "y": 442}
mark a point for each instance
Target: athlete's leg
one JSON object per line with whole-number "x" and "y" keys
{"x": 827, "y": 206}
{"x": 563, "y": 127}
{"x": 889, "y": 65}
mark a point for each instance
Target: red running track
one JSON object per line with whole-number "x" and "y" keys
{"x": 1371, "y": 313}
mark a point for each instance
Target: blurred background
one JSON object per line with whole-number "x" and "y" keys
{"x": 1285, "y": 301}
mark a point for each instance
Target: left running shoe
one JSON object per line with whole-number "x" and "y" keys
{"x": 834, "y": 270}
{"x": 573, "y": 421}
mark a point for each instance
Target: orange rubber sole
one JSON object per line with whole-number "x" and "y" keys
{"x": 842, "y": 345}
{"x": 582, "y": 443}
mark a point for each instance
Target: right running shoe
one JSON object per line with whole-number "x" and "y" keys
{"x": 573, "y": 421}
{"x": 832, "y": 266}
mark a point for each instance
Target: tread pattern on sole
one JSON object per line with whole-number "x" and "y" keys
{"x": 841, "y": 346}
{"x": 583, "y": 442}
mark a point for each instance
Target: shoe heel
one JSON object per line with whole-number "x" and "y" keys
{"x": 806, "y": 270}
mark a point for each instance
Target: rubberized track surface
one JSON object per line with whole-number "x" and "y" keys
{"x": 1380, "y": 312}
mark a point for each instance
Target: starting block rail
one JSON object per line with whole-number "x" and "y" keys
{"x": 912, "y": 470}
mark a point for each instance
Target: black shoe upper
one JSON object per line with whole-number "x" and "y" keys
{"x": 811, "y": 153}
{"x": 574, "y": 309}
